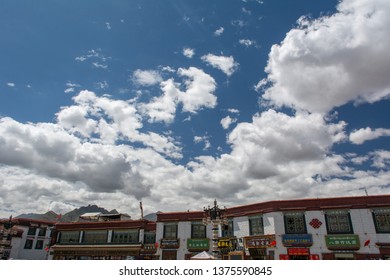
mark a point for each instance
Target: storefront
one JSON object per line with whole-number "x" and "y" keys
{"x": 169, "y": 248}
{"x": 197, "y": 245}
{"x": 148, "y": 252}
{"x": 344, "y": 247}
{"x": 257, "y": 246}
{"x": 297, "y": 246}
{"x": 384, "y": 250}
{"x": 227, "y": 246}
{"x": 120, "y": 252}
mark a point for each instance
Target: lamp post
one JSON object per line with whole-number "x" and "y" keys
{"x": 216, "y": 217}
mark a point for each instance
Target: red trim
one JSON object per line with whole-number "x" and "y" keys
{"x": 309, "y": 204}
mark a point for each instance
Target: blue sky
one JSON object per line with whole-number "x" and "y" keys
{"x": 176, "y": 103}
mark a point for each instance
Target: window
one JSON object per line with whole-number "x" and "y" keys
{"x": 294, "y": 223}
{"x": 125, "y": 236}
{"x": 149, "y": 238}
{"x": 170, "y": 231}
{"x": 69, "y": 237}
{"x": 198, "y": 230}
{"x": 42, "y": 232}
{"x": 228, "y": 230}
{"x": 382, "y": 220}
{"x": 39, "y": 245}
{"x": 95, "y": 237}
{"x": 256, "y": 225}
{"x": 338, "y": 222}
{"x": 28, "y": 244}
{"x": 31, "y": 230}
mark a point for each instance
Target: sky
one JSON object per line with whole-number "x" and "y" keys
{"x": 176, "y": 103}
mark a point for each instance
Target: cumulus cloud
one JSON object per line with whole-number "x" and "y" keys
{"x": 188, "y": 52}
{"x": 227, "y": 121}
{"x": 203, "y": 139}
{"x": 329, "y": 61}
{"x": 365, "y": 134}
{"x": 146, "y": 77}
{"x": 163, "y": 108}
{"x": 198, "y": 93}
{"x": 224, "y": 63}
{"x": 219, "y": 31}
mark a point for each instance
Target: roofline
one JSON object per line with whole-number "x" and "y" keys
{"x": 142, "y": 224}
{"x": 304, "y": 204}
{"x": 28, "y": 222}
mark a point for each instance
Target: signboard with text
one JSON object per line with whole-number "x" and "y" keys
{"x": 261, "y": 241}
{"x": 169, "y": 243}
{"x": 202, "y": 244}
{"x": 297, "y": 240}
{"x": 342, "y": 242}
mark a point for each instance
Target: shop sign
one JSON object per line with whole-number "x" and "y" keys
{"x": 297, "y": 240}
{"x": 315, "y": 257}
{"x": 198, "y": 244}
{"x": 298, "y": 251}
{"x": 284, "y": 257}
{"x": 350, "y": 242}
{"x": 170, "y": 243}
{"x": 263, "y": 241}
{"x": 224, "y": 243}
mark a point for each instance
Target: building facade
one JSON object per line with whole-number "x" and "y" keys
{"x": 308, "y": 229}
{"x": 108, "y": 239}
{"x": 25, "y": 239}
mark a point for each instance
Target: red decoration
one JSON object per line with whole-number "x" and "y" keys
{"x": 315, "y": 223}
{"x": 367, "y": 242}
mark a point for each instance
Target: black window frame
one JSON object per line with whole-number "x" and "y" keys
{"x": 28, "y": 244}
{"x": 382, "y": 212}
{"x": 39, "y": 244}
{"x": 165, "y": 235}
{"x": 252, "y": 219}
{"x": 197, "y": 227}
{"x": 293, "y": 217}
{"x": 228, "y": 230}
{"x": 338, "y": 213}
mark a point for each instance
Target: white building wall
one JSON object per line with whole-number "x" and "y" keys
{"x": 362, "y": 222}
{"x": 18, "y": 251}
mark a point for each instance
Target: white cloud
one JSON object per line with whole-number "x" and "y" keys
{"x": 11, "y": 84}
{"x": 146, "y": 77}
{"x": 238, "y": 23}
{"x": 247, "y": 42}
{"x": 219, "y": 31}
{"x": 327, "y": 62}
{"x": 381, "y": 159}
{"x": 203, "y": 139}
{"x": 198, "y": 93}
{"x": 233, "y": 111}
{"x": 364, "y": 134}
{"x": 108, "y": 26}
{"x": 102, "y": 85}
{"x": 224, "y": 63}
{"x": 99, "y": 65}
{"x": 227, "y": 121}
{"x": 188, "y": 52}
{"x": 163, "y": 108}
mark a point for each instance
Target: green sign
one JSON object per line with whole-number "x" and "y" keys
{"x": 198, "y": 244}
{"x": 342, "y": 242}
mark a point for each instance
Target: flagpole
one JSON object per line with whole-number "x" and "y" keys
{"x": 142, "y": 210}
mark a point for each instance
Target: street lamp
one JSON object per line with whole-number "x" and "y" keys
{"x": 216, "y": 217}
